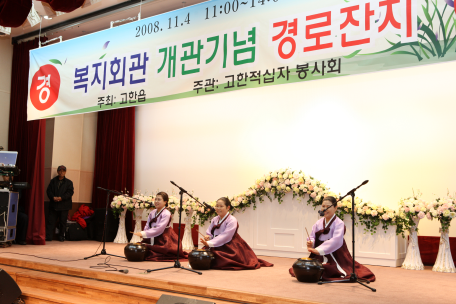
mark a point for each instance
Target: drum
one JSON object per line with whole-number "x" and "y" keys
{"x": 308, "y": 270}
{"x": 200, "y": 259}
{"x": 135, "y": 252}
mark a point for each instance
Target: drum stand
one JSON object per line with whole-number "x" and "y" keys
{"x": 353, "y": 277}
{"x": 177, "y": 264}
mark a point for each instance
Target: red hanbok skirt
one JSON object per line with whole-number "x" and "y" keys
{"x": 236, "y": 255}
{"x": 164, "y": 248}
{"x": 345, "y": 261}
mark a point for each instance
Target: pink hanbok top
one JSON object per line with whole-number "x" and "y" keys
{"x": 225, "y": 233}
{"x": 333, "y": 240}
{"x": 159, "y": 226}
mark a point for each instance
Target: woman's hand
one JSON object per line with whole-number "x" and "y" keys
{"x": 207, "y": 237}
{"x": 204, "y": 241}
{"x": 309, "y": 244}
{"x": 138, "y": 234}
{"x": 313, "y": 250}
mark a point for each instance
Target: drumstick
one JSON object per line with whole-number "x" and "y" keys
{"x": 307, "y": 233}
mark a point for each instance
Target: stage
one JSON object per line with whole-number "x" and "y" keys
{"x": 265, "y": 285}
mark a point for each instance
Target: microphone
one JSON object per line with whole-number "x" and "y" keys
{"x": 209, "y": 207}
{"x": 322, "y": 212}
{"x": 124, "y": 271}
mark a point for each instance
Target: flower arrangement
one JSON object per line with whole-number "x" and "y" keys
{"x": 412, "y": 208}
{"x": 443, "y": 209}
{"x": 277, "y": 184}
{"x": 370, "y": 215}
{"x": 124, "y": 202}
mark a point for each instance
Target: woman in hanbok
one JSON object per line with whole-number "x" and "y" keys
{"x": 326, "y": 244}
{"x": 230, "y": 250}
{"x": 158, "y": 236}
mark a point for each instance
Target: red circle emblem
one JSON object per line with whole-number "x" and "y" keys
{"x": 45, "y": 87}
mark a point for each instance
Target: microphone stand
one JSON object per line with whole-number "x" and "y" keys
{"x": 353, "y": 277}
{"x": 103, "y": 251}
{"x": 177, "y": 264}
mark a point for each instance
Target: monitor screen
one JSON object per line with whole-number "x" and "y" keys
{"x": 8, "y": 158}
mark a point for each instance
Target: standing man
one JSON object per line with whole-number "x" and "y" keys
{"x": 60, "y": 192}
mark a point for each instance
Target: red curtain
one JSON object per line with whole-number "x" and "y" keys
{"x": 65, "y": 6}
{"x": 14, "y": 12}
{"x": 27, "y": 137}
{"x": 114, "y": 155}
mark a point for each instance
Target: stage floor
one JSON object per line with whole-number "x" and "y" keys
{"x": 393, "y": 285}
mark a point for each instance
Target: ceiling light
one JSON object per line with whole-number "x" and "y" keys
{"x": 47, "y": 17}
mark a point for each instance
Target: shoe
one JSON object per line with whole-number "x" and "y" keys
{"x": 21, "y": 243}
{"x": 61, "y": 239}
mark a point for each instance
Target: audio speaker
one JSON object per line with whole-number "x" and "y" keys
{"x": 8, "y": 205}
{"x": 168, "y": 299}
{"x": 9, "y": 291}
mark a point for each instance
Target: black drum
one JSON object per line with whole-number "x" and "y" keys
{"x": 200, "y": 259}
{"x": 308, "y": 270}
{"x": 135, "y": 252}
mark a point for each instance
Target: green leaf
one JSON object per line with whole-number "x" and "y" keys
{"x": 103, "y": 56}
{"x": 431, "y": 36}
{"x": 446, "y": 26}
{"x": 426, "y": 14}
{"x": 352, "y": 54}
{"x": 55, "y": 61}
{"x": 416, "y": 53}
{"x": 442, "y": 26}
{"x": 451, "y": 43}
{"x": 425, "y": 54}
{"x": 403, "y": 53}
{"x": 392, "y": 43}
{"x": 430, "y": 44}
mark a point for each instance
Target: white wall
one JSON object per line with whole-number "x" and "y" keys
{"x": 6, "y": 61}
{"x": 395, "y": 128}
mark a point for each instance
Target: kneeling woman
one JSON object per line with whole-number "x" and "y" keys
{"x": 160, "y": 239}
{"x": 327, "y": 244}
{"x": 230, "y": 250}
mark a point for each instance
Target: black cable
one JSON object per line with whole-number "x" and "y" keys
{"x": 98, "y": 266}
{"x": 106, "y": 265}
{"x": 44, "y": 258}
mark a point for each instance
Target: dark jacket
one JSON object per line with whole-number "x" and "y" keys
{"x": 65, "y": 191}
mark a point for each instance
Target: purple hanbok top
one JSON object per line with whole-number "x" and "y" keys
{"x": 225, "y": 233}
{"x": 159, "y": 226}
{"x": 333, "y": 240}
